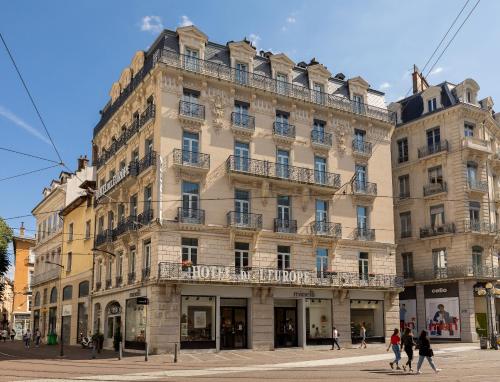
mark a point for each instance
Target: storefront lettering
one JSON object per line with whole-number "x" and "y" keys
{"x": 117, "y": 178}
{"x": 440, "y": 290}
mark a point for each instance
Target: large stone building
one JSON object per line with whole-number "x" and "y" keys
{"x": 445, "y": 164}
{"x": 24, "y": 264}
{"x": 237, "y": 201}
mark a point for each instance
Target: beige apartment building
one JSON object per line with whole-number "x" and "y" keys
{"x": 236, "y": 202}
{"x": 445, "y": 164}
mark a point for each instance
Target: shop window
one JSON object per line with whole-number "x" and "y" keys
{"x": 135, "y": 325}
{"x": 83, "y": 289}
{"x": 198, "y": 322}
{"x": 318, "y": 321}
{"x": 113, "y": 321}
{"x": 53, "y": 295}
{"x": 369, "y": 313}
{"x": 52, "y": 320}
{"x": 67, "y": 292}
{"x": 83, "y": 317}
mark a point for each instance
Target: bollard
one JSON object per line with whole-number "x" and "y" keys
{"x": 175, "y": 353}
{"x": 146, "y": 355}
{"x": 120, "y": 350}
{"x": 93, "y": 350}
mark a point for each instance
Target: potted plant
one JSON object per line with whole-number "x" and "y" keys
{"x": 117, "y": 339}
{"x": 186, "y": 265}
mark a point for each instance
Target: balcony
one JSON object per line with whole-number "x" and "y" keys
{"x": 51, "y": 274}
{"x": 268, "y": 84}
{"x": 242, "y": 124}
{"x": 326, "y": 229}
{"x": 285, "y": 226}
{"x": 104, "y": 237}
{"x": 361, "y": 149}
{"x": 364, "y": 234}
{"x": 477, "y": 186}
{"x": 190, "y": 216}
{"x": 406, "y": 234}
{"x": 478, "y": 226}
{"x": 29, "y": 260}
{"x": 108, "y": 283}
{"x": 131, "y": 278}
{"x": 118, "y": 281}
{"x": 305, "y": 278}
{"x": 126, "y": 225}
{"x": 191, "y": 161}
{"x": 146, "y": 217}
{"x": 364, "y": 190}
{"x": 191, "y": 114}
{"x": 247, "y": 169}
{"x": 437, "y": 230}
{"x": 98, "y": 285}
{"x": 321, "y": 140}
{"x": 436, "y": 148}
{"x": 476, "y": 146}
{"x": 458, "y": 272}
{"x": 243, "y": 220}
{"x": 283, "y": 132}
{"x": 146, "y": 273}
{"x": 432, "y": 189}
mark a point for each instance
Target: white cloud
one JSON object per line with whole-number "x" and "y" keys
{"x": 185, "y": 21}
{"x": 23, "y": 125}
{"x": 385, "y": 86}
{"x": 254, "y": 39}
{"x": 437, "y": 70}
{"x": 291, "y": 20}
{"x": 151, "y": 24}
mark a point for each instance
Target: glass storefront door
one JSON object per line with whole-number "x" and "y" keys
{"x": 198, "y": 322}
{"x": 66, "y": 329}
{"x": 233, "y": 330}
{"x": 285, "y": 327}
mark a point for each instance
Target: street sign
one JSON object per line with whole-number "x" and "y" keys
{"x": 142, "y": 301}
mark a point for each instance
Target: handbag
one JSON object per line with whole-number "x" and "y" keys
{"x": 431, "y": 353}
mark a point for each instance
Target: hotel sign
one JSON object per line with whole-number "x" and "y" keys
{"x": 115, "y": 180}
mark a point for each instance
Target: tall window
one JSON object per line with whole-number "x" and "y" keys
{"x": 70, "y": 232}
{"x": 111, "y": 220}
{"x": 242, "y": 207}
{"x": 472, "y": 174}
{"x": 100, "y": 224}
{"x": 363, "y": 265}
{"x": 148, "y": 198}
{"x": 437, "y": 216}
{"x": 361, "y": 177}
{"x": 87, "y": 229}
{"x": 321, "y": 261}
{"x": 402, "y": 150}
{"x": 407, "y": 264}
{"x": 282, "y": 163}
{"x": 439, "y": 260}
{"x": 359, "y": 139}
{"x": 146, "y": 253}
{"x": 477, "y": 259}
{"x": 281, "y": 125}
{"x": 241, "y": 256}
{"x": 135, "y": 156}
{"x": 241, "y": 72}
{"x": 405, "y": 222}
{"x": 362, "y": 218}
{"x": 468, "y": 129}
{"x": 119, "y": 264}
{"x": 190, "y": 105}
{"x": 321, "y": 223}
{"x": 69, "y": 262}
{"x": 240, "y": 115}
{"x": 281, "y": 83}
{"x": 432, "y": 104}
{"x": 133, "y": 206}
{"x": 435, "y": 175}
{"x": 404, "y": 186}
{"x": 109, "y": 269}
{"x": 284, "y": 213}
{"x": 433, "y": 139}
{"x": 474, "y": 211}
{"x": 131, "y": 261}
{"x": 67, "y": 292}
{"x": 190, "y": 202}
{"x": 121, "y": 213}
{"x": 190, "y": 250}
{"x": 283, "y": 257}
{"x": 319, "y": 131}
{"x": 190, "y": 148}
{"x": 241, "y": 156}
{"x": 148, "y": 146}
{"x": 320, "y": 169}
{"x": 191, "y": 59}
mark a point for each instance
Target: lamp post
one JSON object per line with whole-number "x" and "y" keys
{"x": 61, "y": 352}
{"x": 489, "y": 291}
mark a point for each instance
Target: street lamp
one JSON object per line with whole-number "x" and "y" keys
{"x": 61, "y": 353}
{"x": 489, "y": 291}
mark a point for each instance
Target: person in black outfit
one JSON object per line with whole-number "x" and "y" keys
{"x": 425, "y": 352}
{"x": 407, "y": 343}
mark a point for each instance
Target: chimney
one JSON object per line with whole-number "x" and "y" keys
{"x": 419, "y": 82}
{"x": 21, "y": 230}
{"x": 82, "y": 162}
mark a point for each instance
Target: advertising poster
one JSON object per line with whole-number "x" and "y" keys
{"x": 442, "y": 311}
{"x": 408, "y": 315}
{"x": 200, "y": 320}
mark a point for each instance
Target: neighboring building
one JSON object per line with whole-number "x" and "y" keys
{"x": 446, "y": 167}
{"x": 77, "y": 256}
{"x": 237, "y": 201}
{"x": 6, "y": 299}
{"x": 24, "y": 263}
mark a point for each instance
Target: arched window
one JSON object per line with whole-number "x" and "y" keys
{"x": 67, "y": 292}
{"x": 37, "y": 299}
{"x": 53, "y": 296}
{"x": 83, "y": 289}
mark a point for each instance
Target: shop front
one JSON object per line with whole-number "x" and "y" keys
{"x": 408, "y": 310}
{"x": 234, "y": 323}
{"x": 442, "y": 311}
{"x": 285, "y": 323}
{"x": 21, "y": 322}
{"x": 370, "y": 314}
{"x": 135, "y": 322}
{"x": 198, "y": 322}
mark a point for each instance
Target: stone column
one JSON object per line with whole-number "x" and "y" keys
{"x": 262, "y": 319}
{"x": 391, "y": 313}
{"x": 467, "y": 311}
{"x": 421, "y": 321}
{"x": 341, "y": 317}
{"x": 301, "y": 322}
{"x": 217, "y": 323}
{"x": 164, "y": 318}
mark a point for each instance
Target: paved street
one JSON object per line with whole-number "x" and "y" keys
{"x": 460, "y": 362}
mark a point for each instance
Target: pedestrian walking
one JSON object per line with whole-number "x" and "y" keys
{"x": 362, "y": 332}
{"x": 425, "y": 352}
{"x": 27, "y": 339}
{"x": 12, "y": 334}
{"x": 5, "y": 334}
{"x": 395, "y": 345}
{"x": 335, "y": 338}
{"x": 38, "y": 337}
{"x": 407, "y": 343}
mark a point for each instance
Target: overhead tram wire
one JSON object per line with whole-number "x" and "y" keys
{"x": 28, "y": 155}
{"x": 28, "y": 172}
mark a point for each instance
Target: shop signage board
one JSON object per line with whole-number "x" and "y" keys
{"x": 117, "y": 178}
{"x": 66, "y": 310}
{"x": 442, "y": 310}
{"x": 142, "y": 301}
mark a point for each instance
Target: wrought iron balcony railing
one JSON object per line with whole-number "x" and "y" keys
{"x": 477, "y": 185}
{"x": 146, "y": 217}
{"x": 366, "y": 234}
{"x": 435, "y": 148}
{"x": 242, "y": 165}
{"x": 457, "y": 272}
{"x": 323, "y": 228}
{"x": 232, "y": 275}
{"x": 137, "y": 167}
{"x": 285, "y": 130}
{"x": 191, "y": 159}
{"x": 266, "y": 83}
{"x": 131, "y": 277}
{"x": 285, "y": 226}
{"x": 321, "y": 138}
{"x": 364, "y": 188}
{"x": 125, "y": 225}
{"x": 190, "y": 216}
{"x": 192, "y": 110}
{"x": 435, "y": 188}
{"x": 437, "y": 230}
{"x": 108, "y": 283}
{"x": 244, "y": 220}
{"x": 478, "y": 226}
{"x": 146, "y": 273}
{"x": 243, "y": 121}
{"x": 105, "y": 236}
{"x": 39, "y": 278}
{"x": 361, "y": 147}
{"x": 118, "y": 280}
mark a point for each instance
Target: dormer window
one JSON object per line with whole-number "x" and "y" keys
{"x": 191, "y": 59}
{"x": 432, "y": 104}
{"x": 281, "y": 83}
{"x": 469, "y": 96}
{"x": 358, "y": 104}
{"x": 319, "y": 91}
{"x": 241, "y": 73}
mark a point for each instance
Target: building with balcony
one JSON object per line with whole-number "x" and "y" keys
{"x": 24, "y": 264}
{"x": 245, "y": 232}
{"x": 445, "y": 182}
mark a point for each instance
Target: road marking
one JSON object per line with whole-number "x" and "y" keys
{"x": 8, "y": 355}
{"x": 242, "y": 369}
{"x": 239, "y": 355}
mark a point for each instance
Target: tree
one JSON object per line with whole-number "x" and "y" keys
{"x": 5, "y": 239}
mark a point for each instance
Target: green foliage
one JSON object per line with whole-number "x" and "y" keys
{"x": 5, "y": 239}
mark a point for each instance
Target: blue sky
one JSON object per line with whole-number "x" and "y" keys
{"x": 71, "y": 52}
